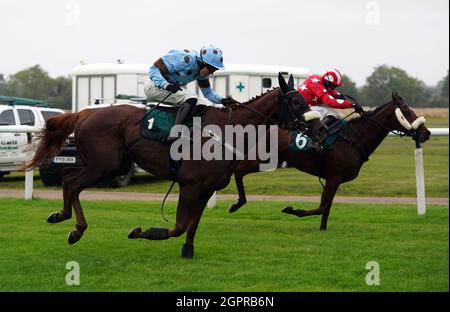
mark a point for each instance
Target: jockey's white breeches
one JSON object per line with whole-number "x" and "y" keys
{"x": 325, "y": 110}
{"x": 155, "y": 94}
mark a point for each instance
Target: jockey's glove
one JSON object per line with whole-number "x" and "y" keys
{"x": 228, "y": 101}
{"x": 173, "y": 87}
{"x": 358, "y": 108}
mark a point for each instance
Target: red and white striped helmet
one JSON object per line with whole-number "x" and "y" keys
{"x": 334, "y": 77}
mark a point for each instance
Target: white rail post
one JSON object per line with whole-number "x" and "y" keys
{"x": 29, "y": 185}
{"x": 420, "y": 179}
{"x": 212, "y": 201}
{"x": 29, "y": 176}
{"x": 30, "y": 154}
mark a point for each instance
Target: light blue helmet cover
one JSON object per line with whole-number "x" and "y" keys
{"x": 211, "y": 55}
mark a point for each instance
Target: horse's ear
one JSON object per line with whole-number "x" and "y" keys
{"x": 393, "y": 96}
{"x": 282, "y": 83}
{"x": 291, "y": 82}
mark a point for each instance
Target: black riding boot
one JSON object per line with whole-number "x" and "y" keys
{"x": 183, "y": 112}
{"x": 329, "y": 120}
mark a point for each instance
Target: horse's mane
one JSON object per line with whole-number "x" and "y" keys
{"x": 257, "y": 97}
{"x": 253, "y": 99}
{"x": 371, "y": 113}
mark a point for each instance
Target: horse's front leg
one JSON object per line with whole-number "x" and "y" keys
{"x": 328, "y": 193}
{"x": 331, "y": 187}
{"x": 186, "y": 211}
{"x": 188, "y": 247}
{"x": 242, "y": 200}
{"x": 69, "y": 174}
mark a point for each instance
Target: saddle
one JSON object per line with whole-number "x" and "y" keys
{"x": 300, "y": 142}
{"x": 158, "y": 121}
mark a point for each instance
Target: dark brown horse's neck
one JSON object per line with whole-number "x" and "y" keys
{"x": 266, "y": 106}
{"x": 368, "y": 132}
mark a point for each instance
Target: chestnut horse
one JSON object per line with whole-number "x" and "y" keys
{"x": 342, "y": 163}
{"x": 108, "y": 139}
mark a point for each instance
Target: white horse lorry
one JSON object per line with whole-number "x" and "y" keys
{"x": 16, "y": 114}
{"x": 108, "y": 83}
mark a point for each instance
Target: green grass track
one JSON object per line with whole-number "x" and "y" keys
{"x": 256, "y": 249}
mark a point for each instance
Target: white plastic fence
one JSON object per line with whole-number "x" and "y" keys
{"x": 420, "y": 181}
{"x": 30, "y": 154}
{"x": 434, "y": 131}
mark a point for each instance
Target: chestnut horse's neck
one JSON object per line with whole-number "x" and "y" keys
{"x": 368, "y": 131}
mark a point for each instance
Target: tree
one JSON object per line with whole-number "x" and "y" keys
{"x": 62, "y": 93}
{"x": 385, "y": 80}
{"x": 440, "y": 96}
{"x": 444, "y": 90}
{"x": 2, "y": 83}
{"x": 35, "y": 83}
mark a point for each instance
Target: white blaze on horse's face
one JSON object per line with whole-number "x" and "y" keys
{"x": 311, "y": 115}
{"x": 405, "y": 123}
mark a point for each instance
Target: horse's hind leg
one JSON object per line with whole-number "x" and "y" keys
{"x": 81, "y": 225}
{"x": 69, "y": 174}
{"x": 331, "y": 187}
{"x": 85, "y": 179}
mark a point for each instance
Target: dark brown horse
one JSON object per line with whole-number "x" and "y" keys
{"x": 343, "y": 161}
{"x": 108, "y": 139}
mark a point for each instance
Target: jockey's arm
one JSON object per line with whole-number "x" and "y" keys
{"x": 328, "y": 98}
{"x": 208, "y": 92}
{"x": 157, "y": 72}
{"x": 333, "y": 92}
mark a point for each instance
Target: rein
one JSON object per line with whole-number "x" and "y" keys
{"x": 267, "y": 118}
{"x": 398, "y": 133}
{"x": 358, "y": 147}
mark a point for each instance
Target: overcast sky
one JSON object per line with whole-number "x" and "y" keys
{"x": 352, "y": 35}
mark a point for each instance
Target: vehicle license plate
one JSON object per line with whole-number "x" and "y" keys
{"x": 64, "y": 160}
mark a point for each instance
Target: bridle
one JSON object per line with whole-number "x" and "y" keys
{"x": 411, "y": 130}
{"x": 294, "y": 121}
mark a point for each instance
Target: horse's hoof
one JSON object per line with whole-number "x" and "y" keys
{"x": 288, "y": 209}
{"x": 134, "y": 233}
{"x": 233, "y": 208}
{"x": 187, "y": 251}
{"x": 53, "y": 217}
{"x": 72, "y": 238}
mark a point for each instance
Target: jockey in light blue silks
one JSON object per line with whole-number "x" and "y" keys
{"x": 178, "y": 68}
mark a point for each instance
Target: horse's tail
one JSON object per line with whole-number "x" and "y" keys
{"x": 53, "y": 137}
